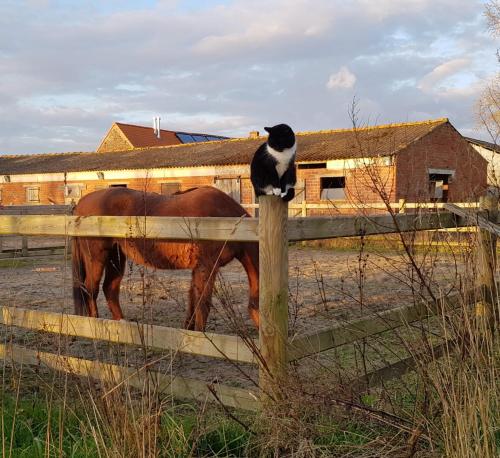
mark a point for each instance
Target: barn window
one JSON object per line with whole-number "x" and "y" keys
{"x": 438, "y": 185}
{"x": 167, "y": 189}
{"x": 117, "y": 185}
{"x": 230, "y": 186}
{"x": 33, "y": 194}
{"x": 332, "y": 188}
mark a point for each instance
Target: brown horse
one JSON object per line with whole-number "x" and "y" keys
{"x": 94, "y": 256}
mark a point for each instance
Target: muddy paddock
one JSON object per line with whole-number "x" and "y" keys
{"x": 326, "y": 286}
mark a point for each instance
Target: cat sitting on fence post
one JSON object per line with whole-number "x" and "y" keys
{"x": 272, "y": 170}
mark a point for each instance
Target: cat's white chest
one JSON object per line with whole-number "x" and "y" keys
{"x": 283, "y": 158}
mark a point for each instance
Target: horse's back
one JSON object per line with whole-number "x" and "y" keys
{"x": 204, "y": 202}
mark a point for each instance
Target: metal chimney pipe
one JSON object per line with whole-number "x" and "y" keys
{"x": 158, "y": 134}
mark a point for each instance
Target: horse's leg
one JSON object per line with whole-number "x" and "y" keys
{"x": 94, "y": 268}
{"x": 249, "y": 257}
{"x": 200, "y": 297}
{"x": 115, "y": 268}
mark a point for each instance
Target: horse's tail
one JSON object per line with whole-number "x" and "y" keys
{"x": 78, "y": 278}
{"x": 248, "y": 255}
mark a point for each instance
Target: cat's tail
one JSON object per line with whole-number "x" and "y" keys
{"x": 290, "y": 194}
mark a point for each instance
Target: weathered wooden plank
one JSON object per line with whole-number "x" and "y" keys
{"x": 66, "y": 209}
{"x": 315, "y": 228}
{"x": 273, "y": 292}
{"x": 42, "y": 251}
{"x": 167, "y": 228}
{"x": 403, "y": 366}
{"x": 125, "y": 332}
{"x": 349, "y": 332}
{"x": 24, "y": 246}
{"x": 369, "y": 206}
{"x": 178, "y": 387}
{"x": 36, "y": 210}
{"x": 475, "y": 218}
{"x": 235, "y": 229}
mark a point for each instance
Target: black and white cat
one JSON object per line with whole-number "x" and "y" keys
{"x": 273, "y": 166}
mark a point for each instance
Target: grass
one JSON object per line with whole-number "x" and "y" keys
{"x": 34, "y": 427}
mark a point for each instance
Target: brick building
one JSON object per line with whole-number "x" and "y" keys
{"x": 491, "y": 152}
{"x": 420, "y": 162}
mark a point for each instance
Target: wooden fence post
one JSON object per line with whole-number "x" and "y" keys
{"x": 24, "y": 246}
{"x": 486, "y": 310}
{"x": 273, "y": 294}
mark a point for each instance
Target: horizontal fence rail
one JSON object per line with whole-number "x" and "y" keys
{"x": 179, "y": 387}
{"x": 151, "y": 227}
{"x": 315, "y": 228}
{"x": 223, "y": 229}
{"x": 36, "y": 210}
{"x": 301, "y": 209}
{"x": 401, "y": 205}
{"x": 124, "y": 332}
{"x": 351, "y": 331}
{"x": 34, "y": 252}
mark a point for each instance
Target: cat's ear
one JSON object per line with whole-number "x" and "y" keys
{"x": 268, "y": 129}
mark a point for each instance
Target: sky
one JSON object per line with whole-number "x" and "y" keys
{"x": 69, "y": 69}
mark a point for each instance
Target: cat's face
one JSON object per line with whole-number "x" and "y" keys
{"x": 281, "y": 137}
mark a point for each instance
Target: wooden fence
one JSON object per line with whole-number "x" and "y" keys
{"x": 29, "y": 248}
{"x": 25, "y": 250}
{"x": 304, "y": 208}
{"x": 273, "y": 350}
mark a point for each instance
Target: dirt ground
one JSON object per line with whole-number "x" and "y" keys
{"x": 325, "y": 286}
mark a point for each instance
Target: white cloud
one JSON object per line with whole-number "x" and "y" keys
{"x": 232, "y": 66}
{"x": 261, "y": 26}
{"x": 343, "y": 79}
{"x": 429, "y": 82}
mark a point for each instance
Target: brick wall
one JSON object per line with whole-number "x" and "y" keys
{"x": 358, "y": 187}
{"x": 53, "y": 192}
{"x": 16, "y": 193}
{"x": 443, "y": 148}
{"x": 114, "y": 141}
{"x": 361, "y": 186}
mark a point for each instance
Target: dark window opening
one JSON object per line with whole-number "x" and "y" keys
{"x": 438, "y": 187}
{"x": 332, "y": 188}
{"x": 117, "y": 185}
{"x": 167, "y": 189}
{"x": 319, "y": 165}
